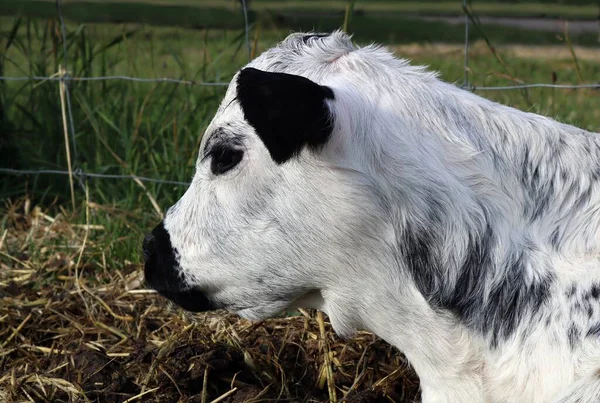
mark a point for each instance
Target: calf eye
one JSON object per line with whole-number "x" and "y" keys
{"x": 224, "y": 158}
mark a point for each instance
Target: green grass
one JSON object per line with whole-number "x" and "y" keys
{"x": 153, "y": 130}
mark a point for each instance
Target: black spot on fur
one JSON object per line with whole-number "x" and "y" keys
{"x": 554, "y": 238}
{"x": 526, "y": 167}
{"x": 570, "y": 293}
{"x": 596, "y": 174}
{"x": 595, "y": 291}
{"x": 495, "y": 312}
{"x": 573, "y": 334}
{"x": 594, "y": 330}
{"x": 513, "y": 298}
{"x": 419, "y": 257}
{"x": 539, "y": 193}
{"x": 287, "y": 111}
{"x": 562, "y": 143}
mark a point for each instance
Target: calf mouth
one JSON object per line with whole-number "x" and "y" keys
{"x": 192, "y": 299}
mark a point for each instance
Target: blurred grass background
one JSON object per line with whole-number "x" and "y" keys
{"x": 154, "y": 129}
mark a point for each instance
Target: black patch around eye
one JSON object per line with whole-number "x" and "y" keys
{"x": 224, "y": 159}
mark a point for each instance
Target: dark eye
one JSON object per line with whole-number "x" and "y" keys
{"x": 224, "y": 158}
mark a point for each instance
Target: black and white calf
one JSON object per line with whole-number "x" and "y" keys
{"x": 463, "y": 232}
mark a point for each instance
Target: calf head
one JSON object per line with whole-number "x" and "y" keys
{"x": 273, "y": 217}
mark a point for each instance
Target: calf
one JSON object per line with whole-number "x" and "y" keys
{"x": 464, "y": 232}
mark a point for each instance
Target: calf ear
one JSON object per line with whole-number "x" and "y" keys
{"x": 287, "y": 111}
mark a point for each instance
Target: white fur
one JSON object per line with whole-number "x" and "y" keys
{"x": 326, "y": 229}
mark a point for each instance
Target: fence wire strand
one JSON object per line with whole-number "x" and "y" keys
{"x": 83, "y": 175}
{"x": 68, "y": 79}
{"x": 222, "y": 84}
{"x": 522, "y": 86}
{"x": 112, "y": 78}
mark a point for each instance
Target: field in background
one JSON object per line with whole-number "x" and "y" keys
{"x": 585, "y": 9}
{"x": 378, "y": 20}
{"x": 70, "y": 310}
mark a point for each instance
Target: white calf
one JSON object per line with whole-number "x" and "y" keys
{"x": 464, "y": 232}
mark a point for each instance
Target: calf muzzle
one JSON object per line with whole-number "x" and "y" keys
{"x": 162, "y": 272}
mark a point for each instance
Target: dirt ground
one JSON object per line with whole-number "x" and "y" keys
{"x": 75, "y": 329}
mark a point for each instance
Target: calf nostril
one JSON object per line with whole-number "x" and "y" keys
{"x": 148, "y": 246}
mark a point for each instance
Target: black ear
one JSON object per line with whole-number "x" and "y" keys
{"x": 287, "y": 111}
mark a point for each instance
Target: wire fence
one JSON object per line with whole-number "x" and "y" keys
{"x": 113, "y": 78}
{"x": 77, "y": 173}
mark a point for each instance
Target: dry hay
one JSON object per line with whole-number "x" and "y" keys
{"x": 72, "y": 328}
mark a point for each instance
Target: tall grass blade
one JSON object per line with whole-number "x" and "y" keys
{"x": 117, "y": 40}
